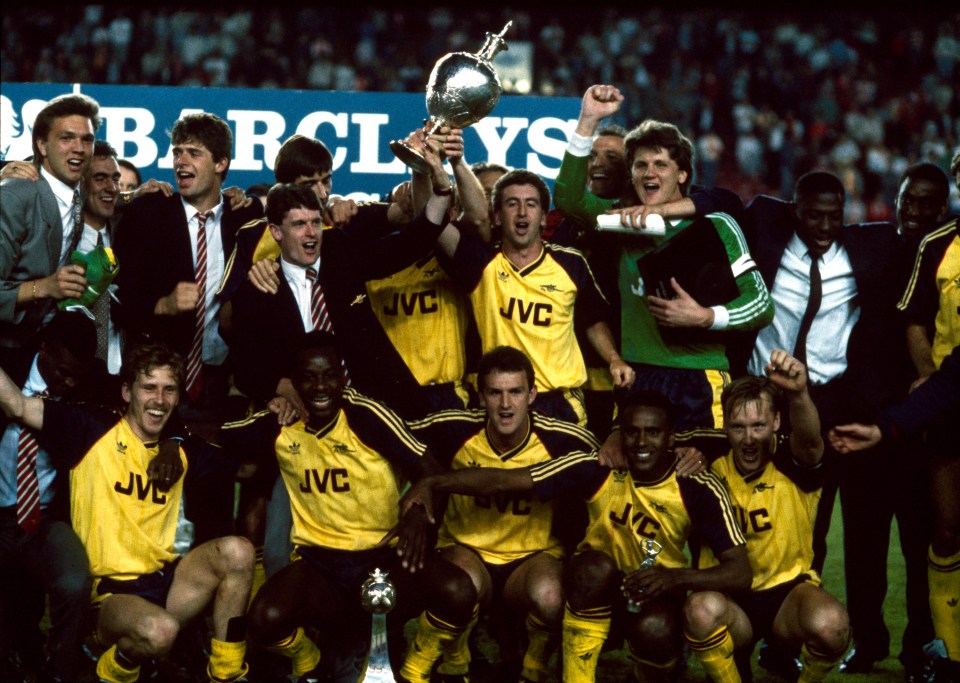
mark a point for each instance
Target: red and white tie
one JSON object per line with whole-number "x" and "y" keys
{"x": 28, "y": 484}
{"x": 318, "y": 307}
{"x": 318, "y": 313}
{"x": 195, "y": 358}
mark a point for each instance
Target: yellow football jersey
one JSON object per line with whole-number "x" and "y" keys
{"x": 425, "y": 317}
{"x": 776, "y": 508}
{"x": 534, "y": 308}
{"x": 344, "y": 480}
{"x": 506, "y": 527}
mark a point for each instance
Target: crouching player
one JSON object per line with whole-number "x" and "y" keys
{"x": 145, "y": 593}
{"x": 774, "y": 483}
{"x": 343, "y": 468}
{"x": 646, "y": 502}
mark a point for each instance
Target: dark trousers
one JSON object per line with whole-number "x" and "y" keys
{"x": 52, "y": 559}
{"x": 875, "y": 486}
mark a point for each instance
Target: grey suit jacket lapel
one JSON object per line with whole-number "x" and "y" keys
{"x": 50, "y": 212}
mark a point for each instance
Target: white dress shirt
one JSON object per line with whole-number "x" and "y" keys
{"x": 214, "y": 348}
{"x": 302, "y": 287}
{"x": 833, "y": 323}
{"x": 9, "y": 444}
{"x": 64, "y": 195}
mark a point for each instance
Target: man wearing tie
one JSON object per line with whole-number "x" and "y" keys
{"x": 834, "y": 288}
{"x": 171, "y": 254}
{"x": 40, "y": 224}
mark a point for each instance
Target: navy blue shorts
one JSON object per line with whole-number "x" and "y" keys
{"x": 762, "y": 606}
{"x": 151, "y": 587}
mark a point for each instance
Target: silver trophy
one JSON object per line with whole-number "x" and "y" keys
{"x": 378, "y": 596}
{"x": 650, "y": 551}
{"x": 463, "y": 88}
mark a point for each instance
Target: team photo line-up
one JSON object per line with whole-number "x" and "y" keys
{"x": 616, "y": 424}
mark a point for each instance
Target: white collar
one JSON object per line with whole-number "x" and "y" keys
{"x": 61, "y": 190}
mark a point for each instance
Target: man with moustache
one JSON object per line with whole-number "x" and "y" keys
{"x": 143, "y": 591}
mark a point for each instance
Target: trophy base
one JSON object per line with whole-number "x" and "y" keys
{"x": 410, "y": 156}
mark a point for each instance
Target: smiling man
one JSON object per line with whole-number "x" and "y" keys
{"x": 40, "y": 225}
{"x": 647, "y": 501}
{"x": 173, "y": 249}
{"x": 774, "y": 482}
{"x": 143, "y": 591}
{"x": 343, "y": 468}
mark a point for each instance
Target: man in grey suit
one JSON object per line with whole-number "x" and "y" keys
{"x": 40, "y": 225}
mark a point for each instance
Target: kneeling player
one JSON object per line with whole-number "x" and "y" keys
{"x": 341, "y": 469}
{"x": 144, "y": 591}
{"x": 494, "y": 545}
{"x": 647, "y": 502}
{"x": 774, "y": 483}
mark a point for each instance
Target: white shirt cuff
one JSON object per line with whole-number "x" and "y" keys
{"x": 721, "y": 318}
{"x": 579, "y": 145}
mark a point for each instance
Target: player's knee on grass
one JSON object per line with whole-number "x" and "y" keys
{"x": 451, "y": 595}
{"x": 156, "y": 633}
{"x": 592, "y": 579}
{"x": 828, "y": 627}
{"x": 656, "y": 635}
{"x": 704, "y": 613}
{"x": 235, "y": 555}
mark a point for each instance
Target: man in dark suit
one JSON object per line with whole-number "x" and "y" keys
{"x": 834, "y": 289}
{"x": 172, "y": 253}
{"x": 40, "y": 225}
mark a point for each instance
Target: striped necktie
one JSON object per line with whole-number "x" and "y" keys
{"x": 195, "y": 357}
{"x": 28, "y": 484}
{"x": 318, "y": 307}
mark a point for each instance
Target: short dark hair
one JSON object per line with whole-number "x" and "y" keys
{"x": 816, "y": 183}
{"x": 504, "y": 359}
{"x": 932, "y": 174}
{"x": 209, "y": 130}
{"x": 488, "y": 166}
{"x": 102, "y": 148}
{"x": 650, "y": 399}
{"x": 658, "y": 135}
{"x": 130, "y": 167}
{"x": 749, "y": 389}
{"x": 143, "y": 357}
{"x": 314, "y": 342}
{"x": 73, "y": 331}
{"x": 285, "y": 196}
{"x": 521, "y": 176}
{"x": 301, "y": 156}
{"x": 613, "y": 129}
{"x": 76, "y": 104}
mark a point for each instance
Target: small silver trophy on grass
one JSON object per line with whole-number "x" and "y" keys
{"x": 378, "y": 596}
{"x": 463, "y": 88}
{"x": 650, "y": 550}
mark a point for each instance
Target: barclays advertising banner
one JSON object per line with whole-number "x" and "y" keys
{"x": 522, "y": 132}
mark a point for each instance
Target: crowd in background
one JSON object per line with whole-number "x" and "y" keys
{"x": 765, "y": 96}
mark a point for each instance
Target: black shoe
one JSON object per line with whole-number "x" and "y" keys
{"x": 777, "y": 661}
{"x": 860, "y": 660}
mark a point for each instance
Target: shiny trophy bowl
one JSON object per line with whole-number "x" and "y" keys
{"x": 378, "y": 596}
{"x": 463, "y": 88}
{"x": 650, "y": 550}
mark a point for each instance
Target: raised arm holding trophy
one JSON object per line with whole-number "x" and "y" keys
{"x": 463, "y": 88}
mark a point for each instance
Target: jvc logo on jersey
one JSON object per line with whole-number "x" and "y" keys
{"x": 515, "y": 504}
{"x": 142, "y": 489}
{"x": 643, "y": 525}
{"x": 319, "y": 480}
{"x": 756, "y": 521}
{"x": 409, "y": 303}
{"x": 540, "y": 313}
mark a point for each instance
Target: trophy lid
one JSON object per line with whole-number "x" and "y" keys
{"x": 494, "y": 44}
